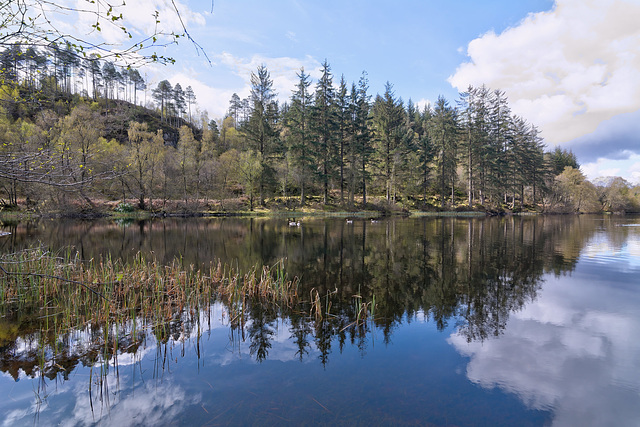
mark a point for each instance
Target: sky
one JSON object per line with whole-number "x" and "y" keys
{"x": 570, "y": 67}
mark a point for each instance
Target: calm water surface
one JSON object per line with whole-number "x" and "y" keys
{"x": 484, "y": 321}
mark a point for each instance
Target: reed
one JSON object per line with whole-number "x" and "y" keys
{"x": 107, "y": 290}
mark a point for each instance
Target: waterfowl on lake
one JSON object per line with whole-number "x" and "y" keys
{"x": 349, "y": 221}
{"x": 294, "y": 223}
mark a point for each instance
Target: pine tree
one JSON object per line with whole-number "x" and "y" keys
{"x": 361, "y": 130}
{"x": 299, "y": 117}
{"x": 110, "y": 76}
{"x": 498, "y": 141}
{"x": 163, "y": 94}
{"x": 10, "y": 59}
{"x": 190, "y": 98}
{"x": 179, "y": 101}
{"x": 260, "y": 126}
{"x": 138, "y": 83}
{"x": 424, "y": 149}
{"x": 235, "y": 109}
{"x": 481, "y": 147}
{"x": 324, "y": 125}
{"x": 444, "y": 134}
{"x": 391, "y": 133}
{"x": 92, "y": 64}
{"x": 343, "y": 124}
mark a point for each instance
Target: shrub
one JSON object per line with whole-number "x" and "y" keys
{"x": 124, "y": 207}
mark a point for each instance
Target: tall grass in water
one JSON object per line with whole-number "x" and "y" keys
{"x": 265, "y": 285}
{"x": 78, "y": 292}
{"x": 109, "y": 302}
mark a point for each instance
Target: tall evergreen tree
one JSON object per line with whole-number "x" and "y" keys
{"x": 424, "y": 149}
{"x": 179, "y": 101}
{"x": 110, "y": 77}
{"x": 10, "y": 60}
{"x": 163, "y": 94}
{"x": 343, "y": 126}
{"x": 324, "y": 125}
{"x": 444, "y": 134}
{"x": 390, "y": 132}
{"x": 260, "y": 127}
{"x": 190, "y": 98}
{"x": 361, "y": 130}
{"x": 235, "y": 109}
{"x": 92, "y": 64}
{"x": 499, "y": 117}
{"x": 471, "y": 141}
{"x": 482, "y": 147}
{"x": 299, "y": 118}
{"x": 138, "y": 83}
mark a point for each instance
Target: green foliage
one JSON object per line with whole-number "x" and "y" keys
{"x": 560, "y": 158}
{"x": 330, "y": 143}
{"x": 573, "y": 193}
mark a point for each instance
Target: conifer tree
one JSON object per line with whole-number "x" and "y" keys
{"x": 444, "y": 134}
{"x": 361, "y": 130}
{"x": 138, "y": 83}
{"x": 260, "y": 127}
{"x": 163, "y": 94}
{"x": 235, "y": 109}
{"x": 324, "y": 125}
{"x": 299, "y": 118}
{"x": 179, "y": 101}
{"x": 424, "y": 149}
{"x": 343, "y": 125}
{"x": 390, "y": 132}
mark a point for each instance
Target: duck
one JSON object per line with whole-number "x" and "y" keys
{"x": 349, "y": 221}
{"x": 294, "y": 223}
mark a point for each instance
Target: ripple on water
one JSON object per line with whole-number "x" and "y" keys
{"x": 602, "y": 250}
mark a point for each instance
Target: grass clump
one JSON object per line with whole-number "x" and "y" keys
{"x": 107, "y": 290}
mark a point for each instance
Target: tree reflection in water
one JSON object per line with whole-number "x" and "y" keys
{"x": 473, "y": 272}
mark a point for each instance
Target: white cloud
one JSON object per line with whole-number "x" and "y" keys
{"x": 565, "y": 70}
{"x": 628, "y": 168}
{"x": 214, "y": 100}
{"x": 283, "y": 71}
{"x": 292, "y": 36}
{"x": 423, "y": 103}
{"x": 138, "y": 18}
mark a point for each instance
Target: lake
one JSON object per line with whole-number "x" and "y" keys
{"x": 525, "y": 321}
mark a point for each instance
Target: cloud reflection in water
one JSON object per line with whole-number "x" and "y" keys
{"x": 574, "y": 351}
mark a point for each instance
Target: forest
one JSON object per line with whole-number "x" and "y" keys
{"x": 81, "y": 135}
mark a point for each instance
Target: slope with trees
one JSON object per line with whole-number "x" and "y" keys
{"x": 330, "y": 145}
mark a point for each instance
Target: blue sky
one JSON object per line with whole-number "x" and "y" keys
{"x": 571, "y": 67}
{"x": 415, "y": 45}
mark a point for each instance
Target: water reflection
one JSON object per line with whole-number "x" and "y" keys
{"x": 573, "y": 349}
{"x": 520, "y": 293}
{"x": 473, "y": 272}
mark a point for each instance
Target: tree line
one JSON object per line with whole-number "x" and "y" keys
{"x": 335, "y": 139}
{"x": 59, "y": 69}
{"x": 329, "y": 143}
